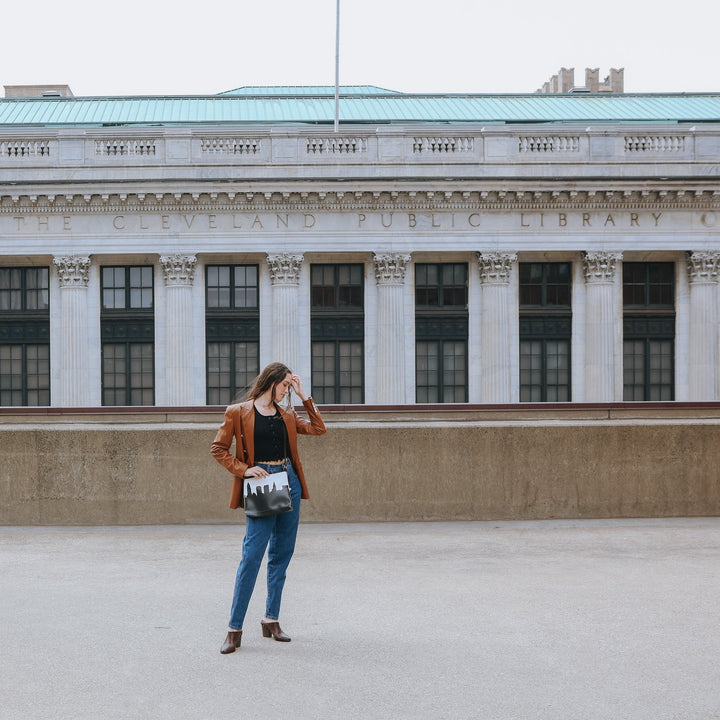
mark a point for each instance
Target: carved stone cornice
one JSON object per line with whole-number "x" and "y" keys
{"x": 73, "y": 270}
{"x": 495, "y": 266}
{"x": 531, "y": 198}
{"x": 390, "y": 268}
{"x": 178, "y": 269}
{"x": 703, "y": 267}
{"x": 599, "y": 266}
{"x": 285, "y": 268}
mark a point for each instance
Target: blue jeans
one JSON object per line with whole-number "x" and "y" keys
{"x": 280, "y": 532}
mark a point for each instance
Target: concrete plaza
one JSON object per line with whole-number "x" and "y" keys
{"x": 556, "y": 620}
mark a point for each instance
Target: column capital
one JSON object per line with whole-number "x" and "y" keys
{"x": 390, "y": 268}
{"x": 285, "y": 268}
{"x": 73, "y": 270}
{"x": 495, "y": 266}
{"x": 178, "y": 269}
{"x": 600, "y": 266}
{"x": 703, "y": 267}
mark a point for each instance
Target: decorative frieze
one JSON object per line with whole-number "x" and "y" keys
{"x": 600, "y": 267}
{"x": 703, "y": 266}
{"x": 24, "y": 148}
{"x": 443, "y": 144}
{"x": 390, "y": 268}
{"x": 549, "y": 144}
{"x": 654, "y": 143}
{"x": 285, "y": 268}
{"x": 73, "y": 270}
{"x": 178, "y": 270}
{"x": 495, "y": 266}
{"x": 335, "y": 145}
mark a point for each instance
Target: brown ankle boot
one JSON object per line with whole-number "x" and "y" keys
{"x": 272, "y": 629}
{"x": 232, "y": 642}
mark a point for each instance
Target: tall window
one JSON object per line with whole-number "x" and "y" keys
{"x": 545, "y": 332}
{"x": 441, "y": 332}
{"x": 232, "y": 329}
{"x": 126, "y": 322}
{"x": 24, "y": 336}
{"x": 337, "y": 329}
{"x": 648, "y": 330}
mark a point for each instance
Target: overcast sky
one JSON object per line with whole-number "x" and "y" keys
{"x": 507, "y": 46}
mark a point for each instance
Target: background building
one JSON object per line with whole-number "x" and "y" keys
{"x": 442, "y": 249}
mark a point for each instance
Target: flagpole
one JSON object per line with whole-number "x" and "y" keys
{"x": 337, "y": 65}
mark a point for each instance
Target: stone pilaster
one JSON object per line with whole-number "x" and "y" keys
{"x": 703, "y": 269}
{"x": 73, "y": 276}
{"x": 496, "y": 328}
{"x": 178, "y": 276}
{"x": 390, "y": 276}
{"x": 602, "y": 320}
{"x": 285, "y": 278}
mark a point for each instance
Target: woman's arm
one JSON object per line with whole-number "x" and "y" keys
{"x": 314, "y": 426}
{"x": 220, "y": 449}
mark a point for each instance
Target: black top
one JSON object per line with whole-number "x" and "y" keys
{"x": 270, "y": 437}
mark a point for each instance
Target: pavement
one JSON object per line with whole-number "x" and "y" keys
{"x": 556, "y": 620}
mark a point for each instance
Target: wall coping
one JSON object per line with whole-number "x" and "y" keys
{"x": 391, "y": 414}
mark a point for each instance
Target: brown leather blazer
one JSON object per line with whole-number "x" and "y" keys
{"x": 240, "y": 425}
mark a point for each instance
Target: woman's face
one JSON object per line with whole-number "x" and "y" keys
{"x": 281, "y": 389}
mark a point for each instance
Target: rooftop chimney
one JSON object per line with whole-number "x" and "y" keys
{"x": 37, "y": 91}
{"x": 564, "y": 82}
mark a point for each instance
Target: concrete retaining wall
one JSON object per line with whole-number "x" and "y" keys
{"x": 598, "y": 461}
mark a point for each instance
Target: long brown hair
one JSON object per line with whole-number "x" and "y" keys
{"x": 267, "y": 380}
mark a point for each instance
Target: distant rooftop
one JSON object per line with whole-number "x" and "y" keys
{"x": 305, "y": 90}
{"x": 361, "y": 104}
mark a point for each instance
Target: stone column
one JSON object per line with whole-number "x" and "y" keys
{"x": 703, "y": 268}
{"x": 390, "y": 276}
{"x": 601, "y": 324}
{"x": 178, "y": 275}
{"x": 73, "y": 275}
{"x": 285, "y": 278}
{"x": 495, "y": 327}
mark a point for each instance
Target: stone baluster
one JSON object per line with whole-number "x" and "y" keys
{"x": 285, "y": 278}
{"x": 703, "y": 268}
{"x": 73, "y": 276}
{"x": 495, "y": 328}
{"x": 391, "y": 347}
{"x": 178, "y": 275}
{"x": 601, "y": 323}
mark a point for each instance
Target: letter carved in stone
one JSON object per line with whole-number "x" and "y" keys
{"x": 390, "y": 268}
{"x": 73, "y": 270}
{"x": 600, "y": 266}
{"x": 495, "y": 266}
{"x": 178, "y": 269}
{"x": 285, "y": 268}
{"x": 703, "y": 267}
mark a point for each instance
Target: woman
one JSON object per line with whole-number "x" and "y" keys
{"x": 265, "y": 437}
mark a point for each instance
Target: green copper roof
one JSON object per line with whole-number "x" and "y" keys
{"x": 268, "y": 106}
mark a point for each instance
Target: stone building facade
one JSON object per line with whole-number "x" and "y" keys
{"x": 159, "y": 251}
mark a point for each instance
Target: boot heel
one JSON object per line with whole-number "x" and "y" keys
{"x": 265, "y": 630}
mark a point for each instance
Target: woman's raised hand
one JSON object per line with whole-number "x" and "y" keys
{"x": 297, "y": 386}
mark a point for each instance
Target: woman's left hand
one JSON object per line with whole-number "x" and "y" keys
{"x": 297, "y": 386}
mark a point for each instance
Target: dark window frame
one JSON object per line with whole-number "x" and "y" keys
{"x": 338, "y": 319}
{"x": 130, "y": 326}
{"x": 128, "y": 307}
{"x": 650, "y": 322}
{"x": 25, "y": 290}
{"x": 231, "y": 325}
{"x": 441, "y": 317}
{"x": 546, "y": 321}
{"x": 26, "y": 328}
